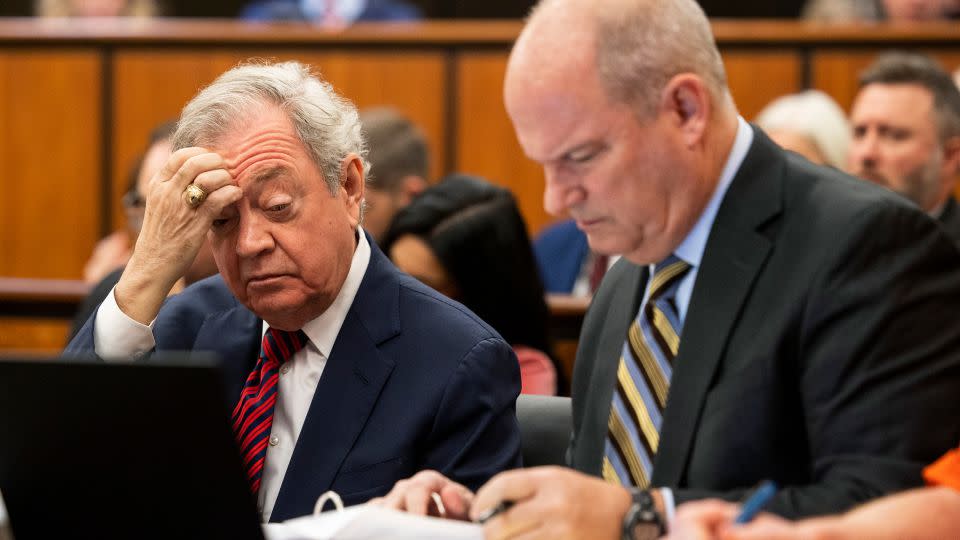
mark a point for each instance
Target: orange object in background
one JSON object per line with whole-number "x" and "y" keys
{"x": 945, "y": 471}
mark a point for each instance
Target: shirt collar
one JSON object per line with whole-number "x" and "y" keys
{"x": 692, "y": 247}
{"x": 324, "y": 329}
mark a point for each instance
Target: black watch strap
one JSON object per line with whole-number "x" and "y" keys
{"x": 642, "y": 513}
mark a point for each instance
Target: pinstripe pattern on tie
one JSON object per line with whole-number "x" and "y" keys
{"x": 253, "y": 415}
{"x": 643, "y": 381}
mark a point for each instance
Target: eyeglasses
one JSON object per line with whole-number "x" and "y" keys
{"x": 132, "y": 199}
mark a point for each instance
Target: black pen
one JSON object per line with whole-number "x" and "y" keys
{"x": 755, "y": 501}
{"x": 500, "y": 508}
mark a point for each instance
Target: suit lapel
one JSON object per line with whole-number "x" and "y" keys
{"x": 734, "y": 255}
{"x": 347, "y": 391}
{"x": 603, "y": 374}
{"x": 235, "y": 336}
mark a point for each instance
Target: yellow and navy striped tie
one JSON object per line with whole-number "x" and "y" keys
{"x": 643, "y": 380}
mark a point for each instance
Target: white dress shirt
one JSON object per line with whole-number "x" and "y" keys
{"x": 118, "y": 336}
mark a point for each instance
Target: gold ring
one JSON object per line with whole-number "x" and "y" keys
{"x": 194, "y": 195}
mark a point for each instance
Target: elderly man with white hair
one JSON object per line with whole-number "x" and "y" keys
{"x": 340, "y": 378}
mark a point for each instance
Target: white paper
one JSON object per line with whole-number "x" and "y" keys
{"x": 371, "y": 522}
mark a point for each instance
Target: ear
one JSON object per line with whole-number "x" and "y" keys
{"x": 685, "y": 101}
{"x": 353, "y": 183}
{"x": 951, "y": 156}
{"x": 411, "y": 186}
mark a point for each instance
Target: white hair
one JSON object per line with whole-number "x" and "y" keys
{"x": 814, "y": 115}
{"x": 326, "y": 123}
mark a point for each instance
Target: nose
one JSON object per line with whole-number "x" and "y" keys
{"x": 560, "y": 194}
{"x": 864, "y": 152}
{"x": 253, "y": 237}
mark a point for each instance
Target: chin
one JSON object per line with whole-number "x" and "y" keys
{"x": 280, "y": 309}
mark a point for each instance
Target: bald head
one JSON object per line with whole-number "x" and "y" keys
{"x": 624, "y": 104}
{"x": 634, "y": 46}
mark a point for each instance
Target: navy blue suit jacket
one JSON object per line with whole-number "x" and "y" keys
{"x": 414, "y": 381}
{"x": 560, "y": 250}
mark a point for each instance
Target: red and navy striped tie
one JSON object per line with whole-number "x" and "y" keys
{"x": 253, "y": 414}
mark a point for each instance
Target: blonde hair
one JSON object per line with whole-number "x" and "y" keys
{"x": 63, "y": 8}
{"x": 814, "y": 115}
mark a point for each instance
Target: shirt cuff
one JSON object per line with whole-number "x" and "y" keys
{"x": 118, "y": 337}
{"x": 669, "y": 506}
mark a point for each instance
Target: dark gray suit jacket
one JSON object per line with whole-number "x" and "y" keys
{"x": 819, "y": 350}
{"x": 950, "y": 220}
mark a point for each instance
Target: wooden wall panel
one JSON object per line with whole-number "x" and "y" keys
{"x": 836, "y": 71}
{"x": 50, "y": 151}
{"x": 152, "y": 86}
{"x": 758, "y": 77}
{"x": 33, "y": 336}
{"x": 486, "y": 143}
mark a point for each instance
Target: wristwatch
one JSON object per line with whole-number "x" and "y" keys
{"x": 642, "y": 517}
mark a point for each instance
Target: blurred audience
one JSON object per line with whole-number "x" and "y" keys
{"x": 880, "y": 10}
{"x": 333, "y": 13}
{"x": 116, "y": 246}
{"x": 906, "y": 133}
{"x": 97, "y": 8}
{"x": 566, "y": 263}
{"x": 399, "y": 160}
{"x": 113, "y": 251}
{"x": 809, "y": 123}
{"x": 465, "y": 237}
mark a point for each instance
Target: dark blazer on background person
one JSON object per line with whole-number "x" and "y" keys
{"x": 414, "y": 381}
{"x": 817, "y": 349}
{"x": 561, "y": 250}
{"x": 289, "y": 10}
{"x": 950, "y": 219}
{"x": 93, "y": 300}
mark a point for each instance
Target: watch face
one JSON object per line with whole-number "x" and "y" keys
{"x": 642, "y": 521}
{"x": 645, "y": 531}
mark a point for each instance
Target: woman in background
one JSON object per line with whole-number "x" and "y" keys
{"x": 811, "y": 124}
{"x": 466, "y": 238}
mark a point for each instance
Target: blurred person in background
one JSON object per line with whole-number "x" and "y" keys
{"x": 880, "y": 10}
{"x": 566, "y": 263}
{"x": 399, "y": 160}
{"x": 97, "y": 8}
{"x": 809, "y": 123}
{"x": 111, "y": 254}
{"x": 906, "y": 133}
{"x": 465, "y": 238}
{"x": 113, "y": 251}
{"x": 331, "y": 13}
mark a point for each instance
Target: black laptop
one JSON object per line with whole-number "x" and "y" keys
{"x": 111, "y": 451}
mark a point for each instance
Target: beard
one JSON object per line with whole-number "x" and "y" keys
{"x": 921, "y": 185}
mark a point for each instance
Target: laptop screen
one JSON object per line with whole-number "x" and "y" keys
{"x": 100, "y": 450}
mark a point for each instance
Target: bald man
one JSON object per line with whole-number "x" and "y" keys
{"x": 763, "y": 320}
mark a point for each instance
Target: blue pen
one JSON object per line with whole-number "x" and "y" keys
{"x": 755, "y": 501}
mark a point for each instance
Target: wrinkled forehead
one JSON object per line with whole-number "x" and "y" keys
{"x": 264, "y": 140}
